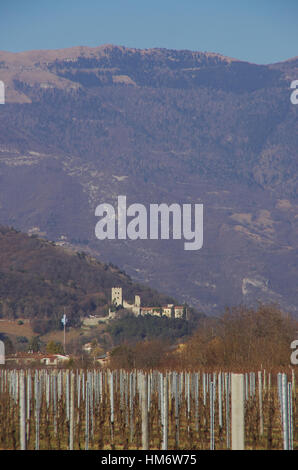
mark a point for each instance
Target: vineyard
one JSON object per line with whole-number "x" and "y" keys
{"x": 119, "y": 409}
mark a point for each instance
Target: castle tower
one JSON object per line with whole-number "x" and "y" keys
{"x": 137, "y": 306}
{"x": 117, "y": 296}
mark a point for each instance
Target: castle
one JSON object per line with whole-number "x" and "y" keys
{"x": 170, "y": 310}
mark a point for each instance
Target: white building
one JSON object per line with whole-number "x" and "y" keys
{"x": 179, "y": 311}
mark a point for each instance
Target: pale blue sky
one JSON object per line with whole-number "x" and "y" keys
{"x": 260, "y": 31}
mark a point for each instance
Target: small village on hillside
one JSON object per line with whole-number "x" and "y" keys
{"x": 118, "y": 306}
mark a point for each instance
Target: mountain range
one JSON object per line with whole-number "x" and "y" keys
{"x": 81, "y": 126}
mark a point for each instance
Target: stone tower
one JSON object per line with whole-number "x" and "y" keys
{"x": 117, "y": 296}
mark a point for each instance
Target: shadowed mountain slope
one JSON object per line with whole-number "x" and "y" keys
{"x": 83, "y": 125}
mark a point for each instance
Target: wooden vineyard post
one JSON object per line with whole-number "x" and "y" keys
{"x": 112, "y": 405}
{"x": 22, "y": 412}
{"x": 28, "y": 404}
{"x": 261, "y": 403}
{"x": 286, "y": 409}
{"x": 237, "y": 411}
{"x": 227, "y": 391}
{"x": 131, "y": 414}
{"x": 176, "y": 393}
{"x": 37, "y": 393}
{"x": 290, "y": 416}
{"x": 71, "y": 417}
{"x": 165, "y": 414}
{"x": 220, "y": 400}
{"x": 144, "y": 405}
{"x": 211, "y": 415}
{"x": 87, "y": 416}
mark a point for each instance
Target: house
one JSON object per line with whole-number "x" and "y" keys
{"x": 157, "y": 311}
{"x": 87, "y": 348}
{"x": 104, "y": 359}
{"x": 54, "y": 359}
{"x": 167, "y": 310}
{"x": 179, "y": 311}
{"x": 27, "y": 358}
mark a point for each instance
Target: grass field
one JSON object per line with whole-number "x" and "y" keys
{"x": 12, "y": 328}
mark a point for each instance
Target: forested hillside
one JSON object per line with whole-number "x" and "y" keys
{"x": 40, "y": 280}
